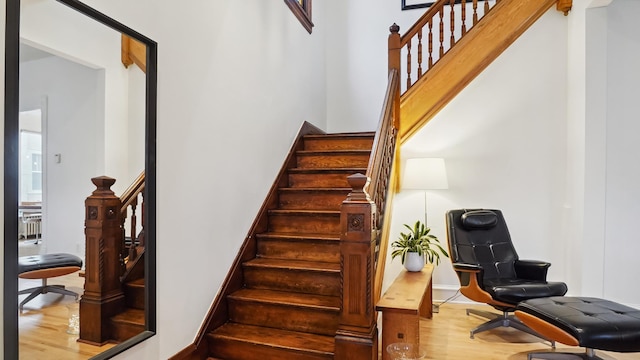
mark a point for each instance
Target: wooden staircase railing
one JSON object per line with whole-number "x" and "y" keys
{"x": 461, "y": 41}
{"x": 364, "y": 223}
{"x": 105, "y": 268}
{"x": 442, "y": 30}
{"x": 130, "y": 199}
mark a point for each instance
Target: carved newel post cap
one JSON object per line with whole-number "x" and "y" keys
{"x": 395, "y": 28}
{"x": 103, "y": 185}
{"x": 357, "y": 181}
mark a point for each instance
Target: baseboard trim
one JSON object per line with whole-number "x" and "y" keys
{"x": 450, "y": 294}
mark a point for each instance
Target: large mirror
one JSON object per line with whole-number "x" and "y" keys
{"x": 80, "y": 103}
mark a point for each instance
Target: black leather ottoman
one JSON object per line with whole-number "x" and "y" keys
{"x": 592, "y": 323}
{"x": 44, "y": 267}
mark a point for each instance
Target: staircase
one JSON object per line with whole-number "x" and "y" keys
{"x": 289, "y": 304}
{"x": 301, "y": 285}
{"x": 131, "y": 321}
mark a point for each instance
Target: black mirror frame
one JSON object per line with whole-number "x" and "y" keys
{"x": 11, "y": 133}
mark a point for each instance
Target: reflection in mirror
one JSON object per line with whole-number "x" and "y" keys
{"x": 86, "y": 108}
{"x": 30, "y": 177}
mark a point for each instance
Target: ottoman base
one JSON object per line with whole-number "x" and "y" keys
{"x": 590, "y": 354}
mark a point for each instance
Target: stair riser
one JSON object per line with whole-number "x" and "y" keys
{"x": 121, "y": 331}
{"x": 312, "y": 200}
{"x": 230, "y": 349}
{"x": 308, "y": 250}
{"x": 364, "y": 143}
{"x": 134, "y": 296}
{"x": 300, "y": 281}
{"x": 328, "y": 180}
{"x": 333, "y": 161}
{"x": 317, "y": 321}
{"x": 305, "y": 224}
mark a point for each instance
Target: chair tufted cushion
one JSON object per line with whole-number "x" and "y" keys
{"x": 479, "y": 219}
{"x": 513, "y": 291}
{"x": 47, "y": 261}
{"x": 595, "y": 323}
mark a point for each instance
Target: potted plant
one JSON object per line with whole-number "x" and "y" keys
{"x": 416, "y": 246}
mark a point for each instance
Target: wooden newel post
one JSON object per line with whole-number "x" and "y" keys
{"x": 103, "y": 295}
{"x": 357, "y": 335}
{"x": 394, "y": 47}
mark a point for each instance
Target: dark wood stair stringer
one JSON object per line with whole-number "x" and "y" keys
{"x": 282, "y": 298}
{"x": 295, "y": 298}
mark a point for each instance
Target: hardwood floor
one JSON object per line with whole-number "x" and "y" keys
{"x": 44, "y": 321}
{"x": 446, "y": 337}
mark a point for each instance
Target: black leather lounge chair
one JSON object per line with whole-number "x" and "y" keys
{"x": 490, "y": 270}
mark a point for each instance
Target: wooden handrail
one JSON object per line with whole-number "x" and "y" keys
{"x": 381, "y": 174}
{"x": 130, "y": 195}
{"x": 364, "y": 223}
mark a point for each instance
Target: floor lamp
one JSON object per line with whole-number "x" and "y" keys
{"x": 425, "y": 174}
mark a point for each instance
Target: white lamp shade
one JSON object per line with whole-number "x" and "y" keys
{"x": 425, "y": 174}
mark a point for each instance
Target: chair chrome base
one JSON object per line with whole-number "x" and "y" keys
{"x": 589, "y": 354}
{"x": 503, "y": 320}
{"x": 35, "y": 291}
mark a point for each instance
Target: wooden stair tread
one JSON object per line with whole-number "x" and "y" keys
{"x": 316, "y": 189}
{"x": 345, "y": 135}
{"x": 338, "y": 152}
{"x": 299, "y": 236}
{"x": 307, "y": 342}
{"x": 294, "y": 264}
{"x": 303, "y": 212}
{"x": 130, "y": 316}
{"x": 288, "y": 298}
{"x": 327, "y": 170}
{"x": 137, "y": 282}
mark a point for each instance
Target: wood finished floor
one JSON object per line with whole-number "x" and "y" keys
{"x": 446, "y": 337}
{"x": 44, "y": 321}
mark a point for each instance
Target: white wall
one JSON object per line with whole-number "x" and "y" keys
{"x": 357, "y": 60}
{"x": 136, "y": 123}
{"x": 58, "y": 29}
{"x": 622, "y": 148}
{"x": 74, "y": 126}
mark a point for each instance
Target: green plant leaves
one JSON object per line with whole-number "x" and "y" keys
{"x": 418, "y": 240}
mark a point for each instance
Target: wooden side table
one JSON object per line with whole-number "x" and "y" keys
{"x": 408, "y": 298}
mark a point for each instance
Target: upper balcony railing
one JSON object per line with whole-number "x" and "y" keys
{"x": 437, "y": 31}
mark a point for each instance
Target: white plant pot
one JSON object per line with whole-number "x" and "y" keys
{"x": 414, "y": 262}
